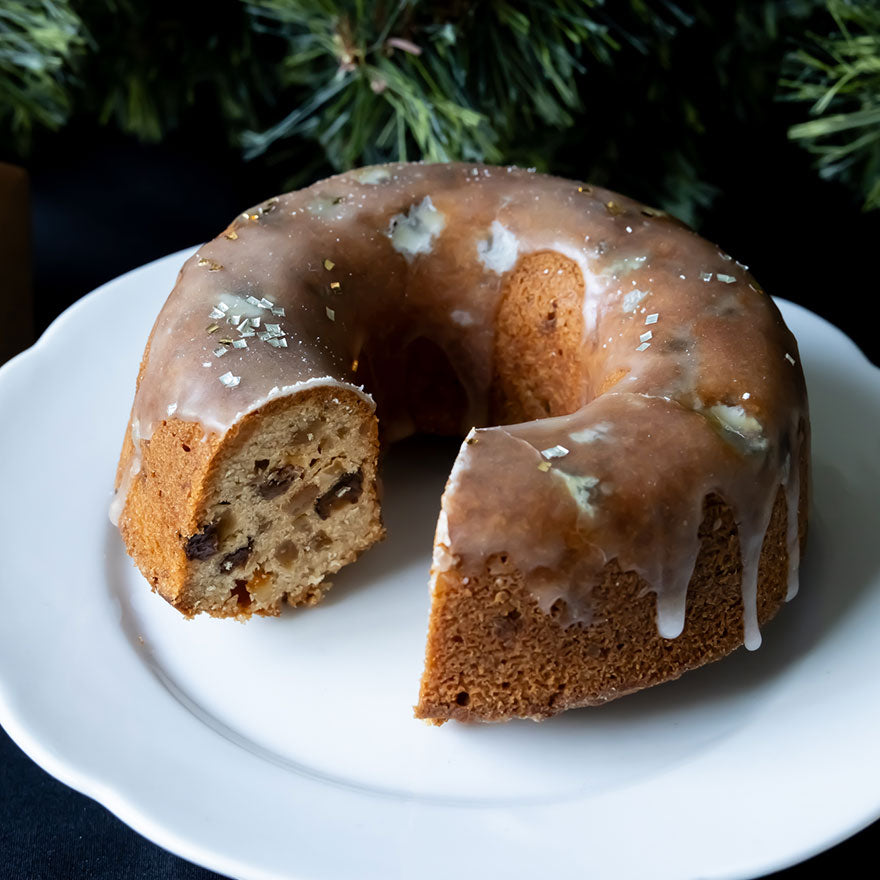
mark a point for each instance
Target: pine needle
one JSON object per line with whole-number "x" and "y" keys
{"x": 838, "y": 73}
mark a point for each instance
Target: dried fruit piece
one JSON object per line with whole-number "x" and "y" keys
{"x": 202, "y": 545}
{"x": 346, "y": 490}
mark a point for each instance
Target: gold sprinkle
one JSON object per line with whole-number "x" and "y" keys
{"x": 231, "y": 234}
{"x": 212, "y": 266}
{"x": 329, "y": 264}
{"x": 471, "y": 440}
{"x": 354, "y": 365}
{"x": 653, "y": 212}
{"x": 335, "y": 285}
{"x": 585, "y": 189}
{"x": 213, "y": 328}
{"x": 337, "y": 200}
{"x": 613, "y": 208}
{"x": 225, "y": 341}
{"x": 544, "y": 466}
{"x": 254, "y": 217}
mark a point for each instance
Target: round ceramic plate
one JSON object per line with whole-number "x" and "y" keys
{"x": 287, "y": 747}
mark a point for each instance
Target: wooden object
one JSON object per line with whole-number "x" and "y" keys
{"x": 16, "y": 295}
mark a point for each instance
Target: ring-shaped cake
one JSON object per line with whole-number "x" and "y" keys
{"x": 630, "y": 499}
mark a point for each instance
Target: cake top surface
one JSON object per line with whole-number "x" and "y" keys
{"x": 298, "y": 289}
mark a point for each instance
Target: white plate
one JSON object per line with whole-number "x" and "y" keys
{"x": 286, "y": 748}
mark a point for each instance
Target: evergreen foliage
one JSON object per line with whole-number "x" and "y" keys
{"x": 588, "y": 88}
{"x": 838, "y": 72}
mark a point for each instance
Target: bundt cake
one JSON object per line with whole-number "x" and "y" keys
{"x": 638, "y": 506}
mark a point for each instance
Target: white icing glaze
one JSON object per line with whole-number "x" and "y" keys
{"x": 498, "y": 252}
{"x": 413, "y": 233}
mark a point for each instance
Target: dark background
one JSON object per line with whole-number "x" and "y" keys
{"x": 103, "y": 204}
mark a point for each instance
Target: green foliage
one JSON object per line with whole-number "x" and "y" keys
{"x": 40, "y": 41}
{"x": 150, "y": 64}
{"x": 645, "y": 95}
{"x": 427, "y": 80}
{"x": 839, "y": 75}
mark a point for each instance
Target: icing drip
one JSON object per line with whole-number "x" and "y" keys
{"x": 351, "y": 281}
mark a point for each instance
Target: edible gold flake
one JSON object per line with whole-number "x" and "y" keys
{"x": 231, "y": 234}
{"x": 354, "y": 365}
{"x": 225, "y": 341}
{"x": 544, "y": 466}
{"x": 213, "y": 328}
{"x": 329, "y": 264}
{"x": 335, "y": 285}
{"x": 613, "y": 208}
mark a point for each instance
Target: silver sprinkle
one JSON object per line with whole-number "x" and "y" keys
{"x": 789, "y": 358}
{"x": 554, "y": 451}
{"x": 240, "y": 343}
{"x": 265, "y": 303}
{"x": 727, "y": 279}
{"x": 223, "y": 307}
{"x": 255, "y": 322}
{"x": 653, "y": 318}
{"x": 244, "y": 324}
{"x": 277, "y": 342}
{"x": 252, "y": 300}
{"x": 274, "y": 329}
{"x": 645, "y": 336}
{"x": 706, "y": 276}
{"x": 216, "y": 313}
{"x": 246, "y": 333}
{"x": 264, "y": 336}
{"x": 330, "y": 313}
{"x": 278, "y": 310}
{"x": 229, "y": 380}
{"x": 643, "y": 346}
{"x": 233, "y": 319}
{"x": 219, "y": 352}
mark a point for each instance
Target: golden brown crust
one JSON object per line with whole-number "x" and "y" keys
{"x": 493, "y": 654}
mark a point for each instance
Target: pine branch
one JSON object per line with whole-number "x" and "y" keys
{"x": 40, "y": 43}
{"x": 839, "y": 75}
{"x": 440, "y": 81}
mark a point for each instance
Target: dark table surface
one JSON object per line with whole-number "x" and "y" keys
{"x": 102, "y": 206}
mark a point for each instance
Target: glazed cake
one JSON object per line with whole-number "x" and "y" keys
{"x": 630, "y": 499}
